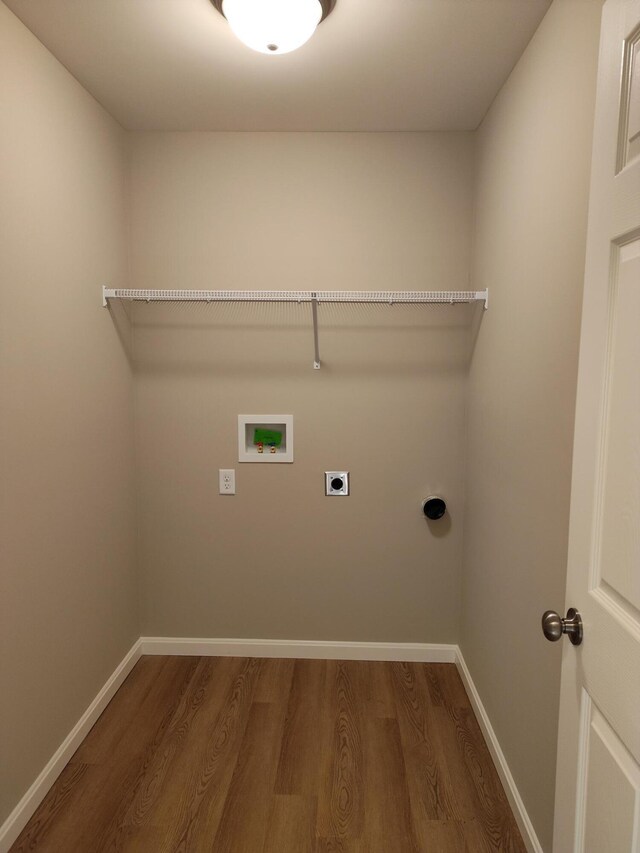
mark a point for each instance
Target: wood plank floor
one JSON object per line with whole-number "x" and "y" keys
{"x": 240, "y": 755}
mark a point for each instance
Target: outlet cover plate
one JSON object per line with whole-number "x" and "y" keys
{"x": 227, "y": 481}
{"x": 336, "y": 483}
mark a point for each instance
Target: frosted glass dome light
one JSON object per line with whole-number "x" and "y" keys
{"x": 274, "y": 26}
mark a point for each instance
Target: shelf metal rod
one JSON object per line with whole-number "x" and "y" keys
{"x": 316, "y": 346}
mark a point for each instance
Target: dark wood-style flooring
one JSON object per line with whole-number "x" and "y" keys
{"x": 280, "y": 756}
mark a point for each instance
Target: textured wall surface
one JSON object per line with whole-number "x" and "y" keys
{"x": 532, "y": 180}
{"x": 68, "y": 597}
{"x": 301, "y": 211}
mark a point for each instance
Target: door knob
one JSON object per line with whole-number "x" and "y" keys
{"x": 554, "y": 626}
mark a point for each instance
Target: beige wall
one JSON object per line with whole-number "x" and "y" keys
{"x": 532, "y": 178}
{"x": 301, "y": 211}
{"x": 68, "y": 597}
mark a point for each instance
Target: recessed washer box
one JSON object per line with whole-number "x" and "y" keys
{"x": 276, "y": 432}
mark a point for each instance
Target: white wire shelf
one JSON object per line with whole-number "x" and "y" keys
{"x": 389, "y": 297}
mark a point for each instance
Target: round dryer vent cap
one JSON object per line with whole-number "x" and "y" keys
{"x": 434, "y": 507}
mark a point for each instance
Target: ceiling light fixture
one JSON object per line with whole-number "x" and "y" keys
{"x": 274, "y": 26}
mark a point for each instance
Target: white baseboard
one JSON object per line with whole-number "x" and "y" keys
{"x": 315, "y": 649}
{"x": 513, "y": 795}
{"x": 19, "y": 817}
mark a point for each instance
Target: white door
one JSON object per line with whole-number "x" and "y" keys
{"x": 598, "y": 773}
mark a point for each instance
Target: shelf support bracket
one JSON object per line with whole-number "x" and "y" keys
{"x": 316, "y": 345}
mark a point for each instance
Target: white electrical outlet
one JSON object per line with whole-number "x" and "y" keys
{"x": 227, "y": 481}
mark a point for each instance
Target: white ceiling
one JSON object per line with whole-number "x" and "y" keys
{"x": 372, "y": 65}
